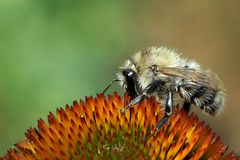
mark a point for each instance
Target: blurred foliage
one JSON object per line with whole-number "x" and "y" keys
{"x": 55, "y": 51}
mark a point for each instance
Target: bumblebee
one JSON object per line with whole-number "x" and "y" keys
{"x": 163, "y": 73}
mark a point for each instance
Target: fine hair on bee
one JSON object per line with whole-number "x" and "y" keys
{"x": 163, "y": 73}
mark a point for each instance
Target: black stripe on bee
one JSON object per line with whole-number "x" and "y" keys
{"x": 203, "y": 97}
{"x": 215, "y": 103}
{"x": 210, "y": 98}
{"x": 208, "y": 102}
{"x": 198, "y": 92}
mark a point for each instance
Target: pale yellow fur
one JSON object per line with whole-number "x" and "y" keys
{"x": 164, "y": 57}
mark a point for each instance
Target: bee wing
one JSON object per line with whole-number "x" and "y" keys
{"x": 199, "y": 77}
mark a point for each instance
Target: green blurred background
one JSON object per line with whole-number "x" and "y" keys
{"x": 55, "y": 51}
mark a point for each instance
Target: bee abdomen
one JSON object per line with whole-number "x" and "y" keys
{"x": 213, "y": 103}
{"x": 209, "y": 100}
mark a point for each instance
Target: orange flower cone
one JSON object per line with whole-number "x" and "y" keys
{"x": 95, "y": 129}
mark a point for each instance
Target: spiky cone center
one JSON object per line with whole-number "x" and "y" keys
{"x": 95, "y": 129}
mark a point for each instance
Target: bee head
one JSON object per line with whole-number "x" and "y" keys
{"x": 131, "y": 84}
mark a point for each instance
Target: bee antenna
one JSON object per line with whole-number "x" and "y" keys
{"x": 110, "y": 84}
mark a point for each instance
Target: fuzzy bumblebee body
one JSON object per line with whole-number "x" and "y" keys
{"x": 185, "y": 78}
{"x": 162, "y": 73}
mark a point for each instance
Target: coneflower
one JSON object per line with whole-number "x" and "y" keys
{"x": 95, "y": 129}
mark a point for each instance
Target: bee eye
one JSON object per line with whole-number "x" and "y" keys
{"x": 128, "y": 72}
{"x": 131, "y": 85}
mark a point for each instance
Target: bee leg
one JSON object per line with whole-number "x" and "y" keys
{"x": 133, "y": 102}
{"x": 186, "y": 106}
{"x": 148, "y": 90}
{"x": 124, "y": 99}
{"x": 168, "y": 113}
